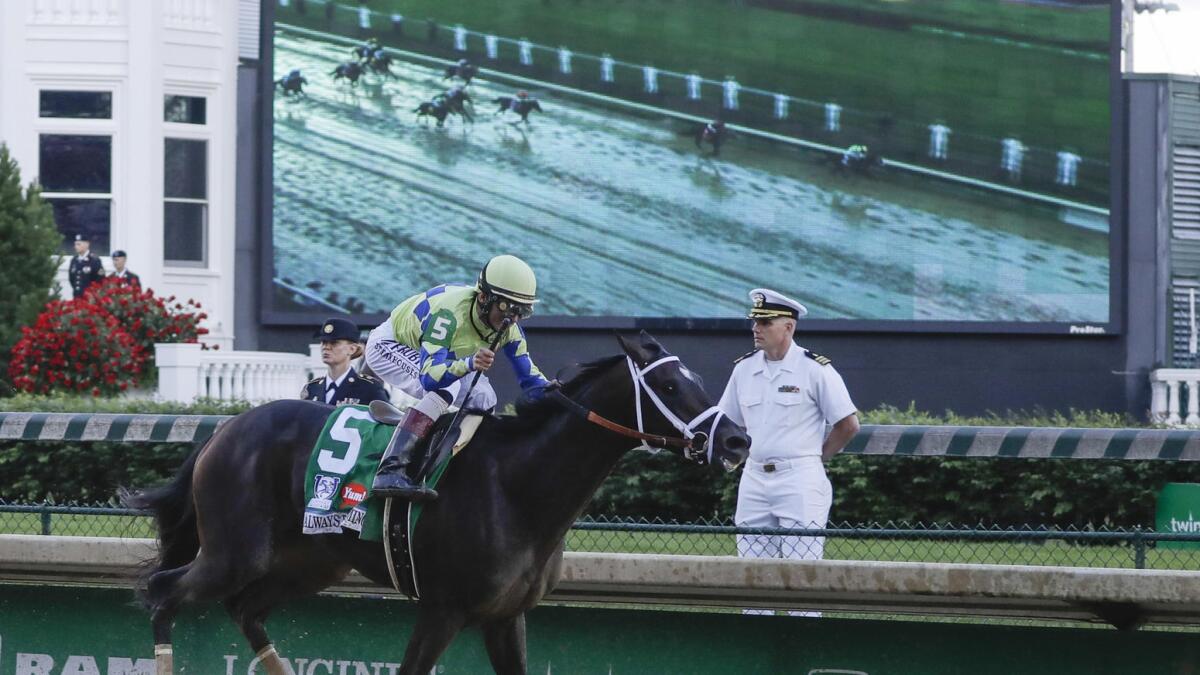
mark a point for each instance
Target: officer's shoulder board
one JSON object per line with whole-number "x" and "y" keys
{"x": 821, "y": 360}
{"x": 369, "y": 379}
{"x": 314, "y": 380}
{"x": 745, "y": 356}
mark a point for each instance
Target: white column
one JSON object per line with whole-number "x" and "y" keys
{"x": 1173, "y": 401}
{"x": 1193, "y": 404}
{"x": 1158, "y": 401}
{"x": 178, "y": 371}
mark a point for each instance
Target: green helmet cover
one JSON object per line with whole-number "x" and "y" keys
{"x": 509, "y": 277}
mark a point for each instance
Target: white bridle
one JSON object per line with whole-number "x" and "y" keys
{"x": 686, "y": 428}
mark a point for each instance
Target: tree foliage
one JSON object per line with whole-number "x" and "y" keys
{"x": 29, "y": 242}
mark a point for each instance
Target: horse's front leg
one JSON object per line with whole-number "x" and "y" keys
{"x": 435, "y": 629}
{"x": 505, "y": 642}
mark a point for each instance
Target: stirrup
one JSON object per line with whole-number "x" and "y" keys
{"x": 385, "y": 413}
{"x": 401, "y": 488}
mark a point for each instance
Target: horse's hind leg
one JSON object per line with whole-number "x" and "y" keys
{"x": 434, "y": 631}
{"x": 505, "y": 642}
{"x": 296, "y": 573}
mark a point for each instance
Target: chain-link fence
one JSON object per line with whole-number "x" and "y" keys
{"x": 1135, "y": 548}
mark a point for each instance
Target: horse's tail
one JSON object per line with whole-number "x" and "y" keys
{"x": 174, "y": 518}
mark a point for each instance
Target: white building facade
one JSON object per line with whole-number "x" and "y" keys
{"x": 125, "y": 111}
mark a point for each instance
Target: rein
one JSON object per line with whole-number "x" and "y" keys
{"x": 688, "y": 443}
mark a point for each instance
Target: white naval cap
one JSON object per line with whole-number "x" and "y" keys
{"x": 768, "y": 304}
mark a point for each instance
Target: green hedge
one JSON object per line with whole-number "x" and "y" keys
{"x": 90, "y": 472}
{"x": 1004, "y": 492}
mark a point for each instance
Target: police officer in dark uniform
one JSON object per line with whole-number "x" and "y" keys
{"x": 86, "y": 268}
{"x": 121, "y": 272}
{"x": 342, "y": 384}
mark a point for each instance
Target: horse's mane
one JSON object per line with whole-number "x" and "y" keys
{"x": 532, "y": 414}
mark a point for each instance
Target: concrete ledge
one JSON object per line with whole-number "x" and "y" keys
{"x": 1123, "y": 597}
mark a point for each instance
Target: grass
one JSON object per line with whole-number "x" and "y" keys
{"x": 1050, "y": 553}
{"x": 976, "y": 84}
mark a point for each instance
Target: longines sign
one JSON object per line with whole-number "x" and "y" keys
{"x": 87, "y": 631}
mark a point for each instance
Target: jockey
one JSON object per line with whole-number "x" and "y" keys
{"x": 854, "y": 153}
{"x": 713, "y": 128}
{"x": 432, "y": 342}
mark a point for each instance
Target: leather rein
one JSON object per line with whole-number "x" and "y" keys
{"x": 696, "y": 445}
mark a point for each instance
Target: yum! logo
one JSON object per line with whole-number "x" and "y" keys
{"x": 353, "y": 494}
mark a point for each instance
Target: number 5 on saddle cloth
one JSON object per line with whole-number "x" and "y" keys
{"x": 343, "y": 464}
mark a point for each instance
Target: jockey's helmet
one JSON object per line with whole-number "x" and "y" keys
{"x": 509, "y": 277}
{"x": 522, "y": 94}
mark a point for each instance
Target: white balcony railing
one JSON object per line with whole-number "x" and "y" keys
{"x": 186, "y": 372}
{"x": 1166, "y": 396}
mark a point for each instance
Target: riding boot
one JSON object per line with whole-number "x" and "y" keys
{"x": 396, "y": 477}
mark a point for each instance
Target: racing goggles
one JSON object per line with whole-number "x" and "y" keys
{"x": 514, "y": 309}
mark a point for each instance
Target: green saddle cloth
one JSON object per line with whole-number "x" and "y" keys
{"x": 341, "y": 468}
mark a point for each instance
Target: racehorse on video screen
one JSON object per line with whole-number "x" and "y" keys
{"x": 464, "y": 70}
{"x": 714, "y": 133}
{"x": 522, "y": 104}
{"x": 292, "y": 83}
{"x": 456, "y": 98}
{"x": 486, "y": 551}
{"x": 350, "y": 70}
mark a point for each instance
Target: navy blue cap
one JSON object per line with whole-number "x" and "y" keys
{"x": 337, "y": 329}
{"x": 118, "y": 254}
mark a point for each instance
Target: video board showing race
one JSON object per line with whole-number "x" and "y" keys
{"x": 911, "y": 161}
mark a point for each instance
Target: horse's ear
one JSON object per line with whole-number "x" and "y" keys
{"x": 631, "y": 350}
{"x": 649, "y": 344}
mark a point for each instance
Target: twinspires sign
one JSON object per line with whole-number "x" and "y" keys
{"x": 1178, "y": 507}
{"x": 81, "y": 631}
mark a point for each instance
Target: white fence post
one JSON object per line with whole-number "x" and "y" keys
{"x": 178, "y": 371}
{"x": 187, "y": 373}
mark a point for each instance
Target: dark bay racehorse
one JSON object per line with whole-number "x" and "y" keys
{"x": 852, "y": 164}
{"x": 437, "y": 109}
{"x": 520, "y": 106}
{"x": 380, "y": 63}
{"x": 714, "y": 133}
{"x": 350, "y": 70}
{"x": 464, "y": 70}
{"x": 486, "y": 551}
{"x": 292, "y": 83}
{"x": 457, "y": 98}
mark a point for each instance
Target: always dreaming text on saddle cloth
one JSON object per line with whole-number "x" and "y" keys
{"x": 343, "y": 464}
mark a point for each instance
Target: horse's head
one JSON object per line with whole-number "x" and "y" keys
{"x": 671, "y": 401}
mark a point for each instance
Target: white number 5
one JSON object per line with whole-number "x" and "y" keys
{"x": 349, "y": 435}
{"x": 440, "y": 325}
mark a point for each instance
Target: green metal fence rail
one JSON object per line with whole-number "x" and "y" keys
{"x": 1118, "y": 548}
{"x": 873, "y": 439}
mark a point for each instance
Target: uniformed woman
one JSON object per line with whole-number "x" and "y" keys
{"x": 341, "y": 384}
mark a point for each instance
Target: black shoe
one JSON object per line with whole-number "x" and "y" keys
{"x": 393, "y": 479}
{"x": 396, "y": 484}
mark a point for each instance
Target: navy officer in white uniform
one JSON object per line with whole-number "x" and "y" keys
{"x": 785, "y": 395}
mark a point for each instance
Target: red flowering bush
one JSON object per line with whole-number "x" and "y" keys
{"x": 146, "y": 317}
{"x": 78, "y": 347}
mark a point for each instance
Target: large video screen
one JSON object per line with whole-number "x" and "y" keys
{"x": 911, "y": 161}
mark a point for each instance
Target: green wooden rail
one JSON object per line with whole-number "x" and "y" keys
{"x": 874, "y": 439}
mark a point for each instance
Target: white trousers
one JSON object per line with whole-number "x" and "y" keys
{"x": 797, "y": 494}
{"x": 400, "y": 366}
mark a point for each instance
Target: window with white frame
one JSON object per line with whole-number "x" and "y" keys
{"x": 75, "y": 163}
{"x": 185, "y": 201}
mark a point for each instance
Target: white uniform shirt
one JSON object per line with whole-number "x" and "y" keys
{"x": 786, "y": 413}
